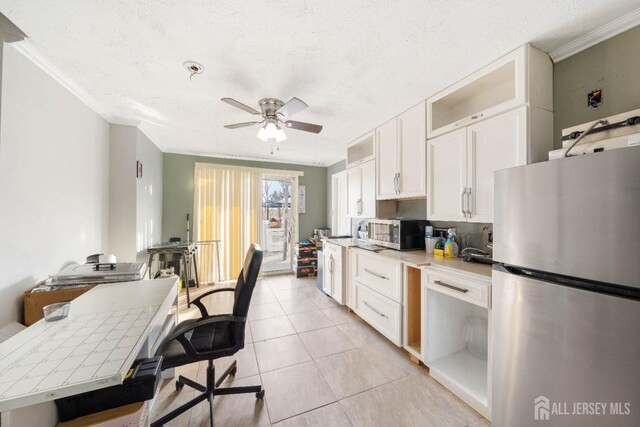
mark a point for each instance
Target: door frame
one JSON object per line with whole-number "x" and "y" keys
{"x": 284, "y": 175}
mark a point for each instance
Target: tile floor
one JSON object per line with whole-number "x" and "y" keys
{"x": 320, "y": 366}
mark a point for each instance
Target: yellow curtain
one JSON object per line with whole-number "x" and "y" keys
{"x": 226, "y": 208}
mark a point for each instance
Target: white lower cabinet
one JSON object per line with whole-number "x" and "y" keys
{"x": 380, "y": 312}
{"x": 333, "y": 278}
{"x": 456, "y": 325}
{"x": 376, "y": 284}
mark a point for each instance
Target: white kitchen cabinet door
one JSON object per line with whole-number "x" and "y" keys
{"x": 368, "y": 189}
{"x": 387, "y": 160}
{"x": 412, "y": 152}
{"x": 354, "y": 191}
{"x": 336, "y": 291}
{"x": 327, "y": 273}
{"x": 447, "y": 177}
{"x": 496, "y": 143}
{"x": 340, "y": 223}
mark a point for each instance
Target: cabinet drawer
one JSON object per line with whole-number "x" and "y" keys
{"x": 380, "y": 274}
{"x": 380, "y": 312}
{"x": 464, "y": 289}
{"x": 331, "y": 249}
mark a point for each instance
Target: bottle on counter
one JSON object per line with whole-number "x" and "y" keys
{"x": 450, "y": 246}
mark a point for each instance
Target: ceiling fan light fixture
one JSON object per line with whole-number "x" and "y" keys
{"x": 262, "y": 134}
{"x": 280, "y": 135}
{"x": 271, "y": 130}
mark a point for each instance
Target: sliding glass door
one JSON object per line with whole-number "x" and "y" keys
{"x": 279, "y": 222}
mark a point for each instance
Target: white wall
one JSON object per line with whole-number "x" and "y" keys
{"x": 135, "y": 204}
{"x": 122, "y": 192}
{"x": 148, "y": 196}
{"x": 54, "y": 169}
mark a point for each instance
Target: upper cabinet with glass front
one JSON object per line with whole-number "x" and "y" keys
{"x": 524, "y": 76}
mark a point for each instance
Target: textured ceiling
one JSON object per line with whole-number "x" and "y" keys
{"x": 356, "y": 63}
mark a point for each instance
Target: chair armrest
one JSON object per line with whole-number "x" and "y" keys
{"x": 201, "y": 307}
{"x": 178, "y": 333}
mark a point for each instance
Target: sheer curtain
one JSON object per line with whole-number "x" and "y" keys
{"x": 227, "y": 208}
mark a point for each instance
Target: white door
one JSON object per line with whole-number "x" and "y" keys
{"x": 412, "y": 146}
{"x": 387, "y": 159}
{"x": 339, "y": 219}
{"x": 354, "y": 192}
{"x": 447, "y": 177}
{"x": 336, "y": 292}
{"x": 327, "y": 275}
{"x": 493, "y": 144}
{"x": 368, "y": 189}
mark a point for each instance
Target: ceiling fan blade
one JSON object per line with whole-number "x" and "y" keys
{"x": 240, "y": 105}
{"x": 307, "y": 127}
{"x": 240, "y": 125}
{"x": 293, "y": 106}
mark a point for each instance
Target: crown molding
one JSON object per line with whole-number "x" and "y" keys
{"x": 596, "y": 36}
{"x": 28, "y": 50}
{"x": 248, "y": 158}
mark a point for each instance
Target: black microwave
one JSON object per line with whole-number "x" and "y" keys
{"x": 399, "y": 234}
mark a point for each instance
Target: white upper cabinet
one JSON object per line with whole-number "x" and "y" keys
{"x": 387, "y": 155}
{"x": 497, "y": 118}
{"x": 401, "y": 155}
{"x": 368, "y": 189}
{"x": 494, "y": 144}
{"x": 361, "y": 190}
{"x": 412, "y": 141}
{"x": 447, "y": 177}
{"x": 523, "y": 76}
{"x": 361, "y": 150}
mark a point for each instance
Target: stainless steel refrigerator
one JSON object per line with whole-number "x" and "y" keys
{"x": 566, "y": 296}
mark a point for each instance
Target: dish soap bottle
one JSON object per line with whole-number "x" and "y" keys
{"x": 450, "y": 246}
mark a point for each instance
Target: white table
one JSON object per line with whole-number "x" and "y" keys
{"x": 107, "y": 329}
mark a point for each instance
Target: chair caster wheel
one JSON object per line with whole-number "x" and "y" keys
{"x": 233, "y": 371}
{"x": 179, "y": 385}
{"x": 260, "y": 394}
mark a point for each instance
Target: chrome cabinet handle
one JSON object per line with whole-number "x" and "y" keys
{"x": 399, "y": 183}
{"x": 462, "y": 205}
{"x": 455, "y": 288}
{"x": 376, "y": 274}
{"x": 375, "y": 311}
{"x": 469, "y": 202}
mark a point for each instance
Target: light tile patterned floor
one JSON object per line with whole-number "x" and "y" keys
{"x": 320, "y": 366}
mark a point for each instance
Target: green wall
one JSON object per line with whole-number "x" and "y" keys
{"x": 177, "y": 198}
{"x": 613, "y": 66}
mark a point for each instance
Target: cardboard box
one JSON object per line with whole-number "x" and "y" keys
{"x": 35, "y": 301}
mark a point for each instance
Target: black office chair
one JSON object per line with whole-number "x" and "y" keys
{"x": 210, "y": 338}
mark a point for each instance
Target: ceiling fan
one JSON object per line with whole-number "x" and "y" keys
{"x": 275, "y": 115}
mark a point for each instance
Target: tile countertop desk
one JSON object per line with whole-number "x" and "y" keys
{"x": 107, "y": 328}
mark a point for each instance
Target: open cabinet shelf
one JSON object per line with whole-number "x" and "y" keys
{"x": 464, "y": 371}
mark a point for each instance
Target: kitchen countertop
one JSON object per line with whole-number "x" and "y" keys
{"x": 420, "y": 258}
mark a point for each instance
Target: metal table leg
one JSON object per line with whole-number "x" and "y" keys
{"x": 220, "y": 278}
{"x": 195, "y": 268}
{"x": 185, "y": 274}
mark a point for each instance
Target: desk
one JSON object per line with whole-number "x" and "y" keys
{"x": 107, "y": 329}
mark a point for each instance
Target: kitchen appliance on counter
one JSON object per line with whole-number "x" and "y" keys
{"x": 94, "y": 273}
{"x": 398, "y": 234}
{"x": 566, "y": 296}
